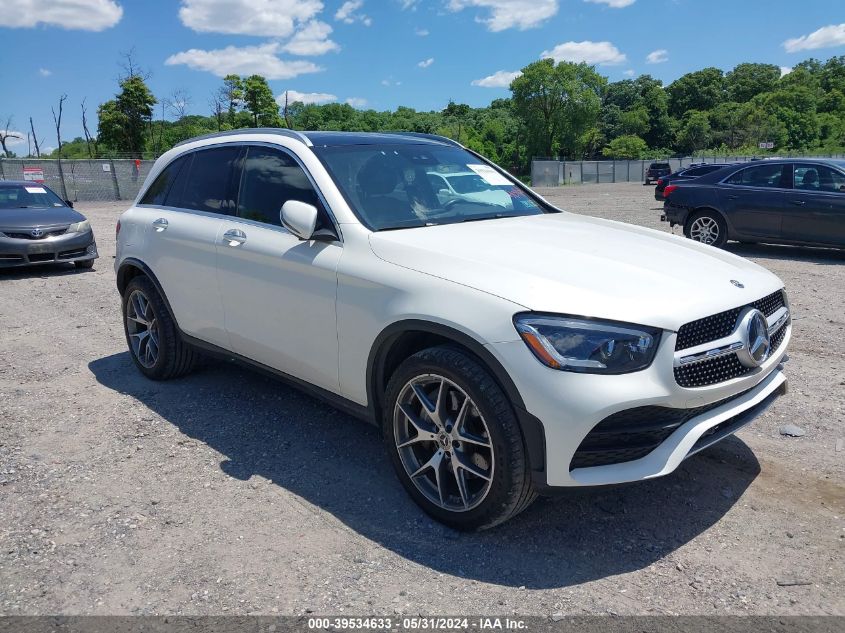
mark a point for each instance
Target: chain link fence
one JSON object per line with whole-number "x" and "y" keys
{"x": 555, "y": 173}
{"x": 82, "y": 180}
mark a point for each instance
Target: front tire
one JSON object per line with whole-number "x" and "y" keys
{"x": 454, "y": 440}
{"x": 154, "y": 341}
{"x": 707, "y": 227}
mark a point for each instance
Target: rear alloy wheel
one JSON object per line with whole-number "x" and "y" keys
{"x": 708, "y": 228}
{"x": 153, "y": 338}
{"x": 455, "y": 441}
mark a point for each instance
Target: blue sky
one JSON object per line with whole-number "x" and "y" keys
{"x": 379, "y": 53}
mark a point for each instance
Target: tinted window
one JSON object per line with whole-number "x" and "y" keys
{"x": 659, "y": 166}
{"x": 758, "y": 176}
{"x": 206, "y": 185}
{"x": 157, "y": 192}
{"x": 818, "y": 178}
{"x": 271, "y": 178}
{"x": 701, "y": 171}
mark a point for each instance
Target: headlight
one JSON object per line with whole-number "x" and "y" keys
{"x": 587, "y": 346}
{"x": 79, "y": 227}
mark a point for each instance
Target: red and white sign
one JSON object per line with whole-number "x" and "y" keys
{"x": 33, "y": 174}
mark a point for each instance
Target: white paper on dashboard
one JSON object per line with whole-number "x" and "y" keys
{"x": 36, "y": 189}
{"x": 490, "y": 175}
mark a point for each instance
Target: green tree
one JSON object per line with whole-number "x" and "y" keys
{"x": 232, "y": 94}
{"x": 557, "y": 104}
{"x": 695, "y": 132}
{"x": 628, "y": 147}
{"x": 260, "y": 103}
{"x": 124, "y": 120}
{"x": 699, "y": 90}
{"x": 746, "y": 81}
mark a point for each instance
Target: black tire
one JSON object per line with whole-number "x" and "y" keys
{"x": 511, "y": 490}
{"x": 175, "y": 358}
{"x": 708, "y": 215}
{"x": 84, "y": 265}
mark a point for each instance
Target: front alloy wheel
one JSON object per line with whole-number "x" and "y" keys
{"x": 443, "y": 443}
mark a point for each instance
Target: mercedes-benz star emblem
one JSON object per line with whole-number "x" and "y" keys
{"x": 36, "y": 232}
{"x": 737, "y": 283}
{"x": 754, "y": 329}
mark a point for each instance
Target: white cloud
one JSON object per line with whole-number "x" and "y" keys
{"x": 613, "y": 4}
{"x": 785, "y": 70}
{"x": 507, "y": 14}
{"x": 312, "y": 39}
{"x": 347, "y": 13}
{"x": 421, "y": 32}
{"x": 45, "y": 72}
{"x": 18, "y": 139}
{"x": 390, "y": 82}
{"x": 409, "y": 4}
{"x": 357, "y": 102}
{"x": 247, "y": 60}
{"x": 270, "y": 18}
{"x": 306, "y": 97}
{"x": 603, "y": 53}
{"x": 659, "y": 56}
{"x": 629, "y": 73}
{"x": 85, "y": 15}
{"x": 499, "y": 79}
{"x": 426, "y": 62}
{"x": 826, "y": 37}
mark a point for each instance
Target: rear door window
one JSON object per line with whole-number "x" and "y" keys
{"x": 760, "y": 176}
{"x": 207, "y": 185}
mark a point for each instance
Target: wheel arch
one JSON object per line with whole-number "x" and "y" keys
{"x": 402, "y": 339}
{"x": 131, "y": 268}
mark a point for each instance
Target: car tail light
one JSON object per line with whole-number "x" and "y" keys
{"x": 669, "y": 189}
{"x": 659, "y": 181}
{"x": 117, "y": 229}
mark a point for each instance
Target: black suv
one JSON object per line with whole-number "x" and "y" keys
{"x": 798, "y": 201}
{"x": 689, "y": 173}
{"x": 655, "y": 171}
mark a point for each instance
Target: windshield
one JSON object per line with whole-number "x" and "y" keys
{"x": 28, "y": 196}
{"x": 404, "y": 186}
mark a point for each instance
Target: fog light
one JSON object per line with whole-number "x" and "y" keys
{"x": 92, "y": 249}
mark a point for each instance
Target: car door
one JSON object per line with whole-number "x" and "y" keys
{"x": 183, "y": 210}
{"x": 753, "y": 200}
{"x": 816, "y": 206}
{"x": 279, "y": 292}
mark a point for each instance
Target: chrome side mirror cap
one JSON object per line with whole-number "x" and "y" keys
{"x": 300, "y": 218}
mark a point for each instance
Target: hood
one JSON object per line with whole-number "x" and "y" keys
{"x": 38, "y": 217}
{"x": 577, "y": 265}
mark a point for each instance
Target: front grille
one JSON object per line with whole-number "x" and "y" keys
{"x": 29, "y": 236}
{"x": 722, "y": 324}
{"x": 721, "y": 368}
{"x": 633, "y": 433}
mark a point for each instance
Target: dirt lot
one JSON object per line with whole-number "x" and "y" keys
{"x": 227, "y": 492}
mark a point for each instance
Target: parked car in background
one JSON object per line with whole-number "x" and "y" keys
{"x": 689, "y": 173}
{"x": 503, "y": 351}
{"x": 655, "y": 171}
{"x": 38, "y": 227}
{"x": 467, "y": 186}
{"x": 785, "y": 201}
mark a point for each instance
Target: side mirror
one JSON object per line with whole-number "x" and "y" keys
{"x": 300, "y": 218}
{"x": 69, "y": 203}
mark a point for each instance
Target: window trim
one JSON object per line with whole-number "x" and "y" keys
{"x": 242, "y": 145}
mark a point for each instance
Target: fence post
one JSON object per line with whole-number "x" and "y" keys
{"x": 2, "y": 173}
{"x": 614, "y": 170}
{"x": 114, "y": 180}
{"x": 62, "y": 179}
{"x": 628, "y": 176}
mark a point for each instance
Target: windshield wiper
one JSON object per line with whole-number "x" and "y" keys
{"x": 496, "y": 216}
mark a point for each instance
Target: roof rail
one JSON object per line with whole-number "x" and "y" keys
{"x": 431, "y": 137}
{"x": 251, "y": 130}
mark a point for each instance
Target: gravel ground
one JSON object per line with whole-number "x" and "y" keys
{"x": 227, "y": 492}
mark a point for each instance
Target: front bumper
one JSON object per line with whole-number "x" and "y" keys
{"x": 569, "y": 406}
{"x": 74, "y": 247}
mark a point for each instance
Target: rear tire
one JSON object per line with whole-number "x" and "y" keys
{"x": 707, "y": 227}
{"x": 455, "y": 441}
{"x": 154, "y": 341}
{"x": 84, "y": 265}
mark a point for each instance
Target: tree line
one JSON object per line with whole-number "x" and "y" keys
{"x": 563, "y": 109}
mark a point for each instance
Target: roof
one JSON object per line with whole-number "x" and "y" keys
{"x": 329, "y": 139}
{"x": 20, "y": 183}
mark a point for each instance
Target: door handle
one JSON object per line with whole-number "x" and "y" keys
{"x": 800, "y": 203}
{"x": 160, "y": 224}
{"x": 234, "y": 237}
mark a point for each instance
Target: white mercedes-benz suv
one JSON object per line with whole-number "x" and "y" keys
{"x": 504, "y": 347}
